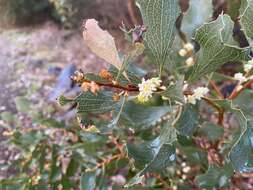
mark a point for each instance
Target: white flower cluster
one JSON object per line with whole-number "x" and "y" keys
{"x": 147, "y": 88}
{"x": 240, "y": 77}
{"x": 188, "y": 47}
{"x": 198, "y": 93}
{"x": 248, "y": 66}
{"x": 187, "y": 50}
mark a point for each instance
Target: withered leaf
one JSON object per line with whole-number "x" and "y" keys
{"x": 101, "y": 43}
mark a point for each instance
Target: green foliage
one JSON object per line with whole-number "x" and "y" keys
{"x": 158, "y": 128}
{"x": 168, "y": 121}
{"x": 215, "y": 177}
{"x": 69, "y": 12}
{"x": 21, "y": 11}
{"x": 213, "y": 36}
{"x": 246, "y": 12}
{"x": 160, "y": 22}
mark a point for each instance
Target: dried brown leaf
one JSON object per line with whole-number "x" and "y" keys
{"x": 101, "y": 43}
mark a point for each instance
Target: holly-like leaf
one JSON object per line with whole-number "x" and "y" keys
{"x": 155, "y": 155}
{"x": 215, "y": 177}
{"x": 217, "y": 47}
{"x": 142, "y": 117}
{"x": 200, "y": 11}
{"x": 188, "y": 120}
{"x": 101, "y": 102}
{"x": 241, "y": 153}
{"x": 175, "y": 92}
{"x": 246, "y": 21}
{"x": 159, "y": 17}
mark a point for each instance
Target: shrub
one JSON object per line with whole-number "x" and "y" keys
{"x": 164, "y": 116}
{"x": 168, "y": 129}
{"x": 21, "y": 11}
{"x": 69, "y": 12}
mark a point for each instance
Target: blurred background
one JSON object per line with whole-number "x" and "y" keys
{"x": 41, "y": 45}
{"x": 41, "y": 144}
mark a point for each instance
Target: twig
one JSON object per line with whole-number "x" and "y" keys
{"x": 237, "y": 92}
{"x": 132, "y": 12}
{"x": 216, "y": 88}
{"x": 219, "y": 109}
{"x": 129, "y": 88}
{"x": 162, "y": 181}
{"x": 105, "y": 162}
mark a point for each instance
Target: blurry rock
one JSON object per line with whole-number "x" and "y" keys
{"x": 54, "y": 70}
{"x": 64, "y": 82}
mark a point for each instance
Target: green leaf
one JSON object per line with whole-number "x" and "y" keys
{"x": 100, "y": 103}
{"x": 188, "y": 121}
{"x": 87, "y": 102}
{"x": 241, "y": 153}
{"x": 133, "y": 72}
{"x": 159, "y": 16}
{"x": 194, "y": 155}
{"x": 211, "y": 131}
{"x": 141, "y": 117}
{"x": 156, "y": 155}
{"x": 246, "y": 13}
{"x": 217, "y": 47}
{"x": 175, "y": 92}
{"x": 199, "y": 12}
{"x": 215, "y": 177}
{"x": 88, "y": 181}
{"x": 55, "y": 172}
{"x": 8, "y": 117}
{"x": 22, "y": 104}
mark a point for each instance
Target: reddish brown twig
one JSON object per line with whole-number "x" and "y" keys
{"x": 129, "y": 88}
{"x": 161, "y": 181}
{"x": 219, "y": 109}
{"x": 236, "y": 92}
{"x": 216, "y": 88}
{"x": 133, "y": 12}
{"x": 105, "y": 162}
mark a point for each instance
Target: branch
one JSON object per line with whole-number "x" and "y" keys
{"x": 129, "y": 88}
{"x": 220, "y": 110}
{"x": 237, "y": 92}
{"x": 216, "y": 88}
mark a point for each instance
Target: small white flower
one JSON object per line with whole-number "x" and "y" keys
{"x": 156, "y": 81}
{"x": 163, "y": 88}
{"x": 188, "y": 47}
{"x": 191, "y": 99}
{"x": 248, "y": 67}
{"x": 250, "y": 77}
{"x": 250, "y": 62}
{"x": 189, "y": 62}
{"x": 200, "y": 92}
{"x": 147, "y": 88}
{"x": 182, "y": 52}
{"x": 239, "y": 77}
{"x": 185, "y": 86}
